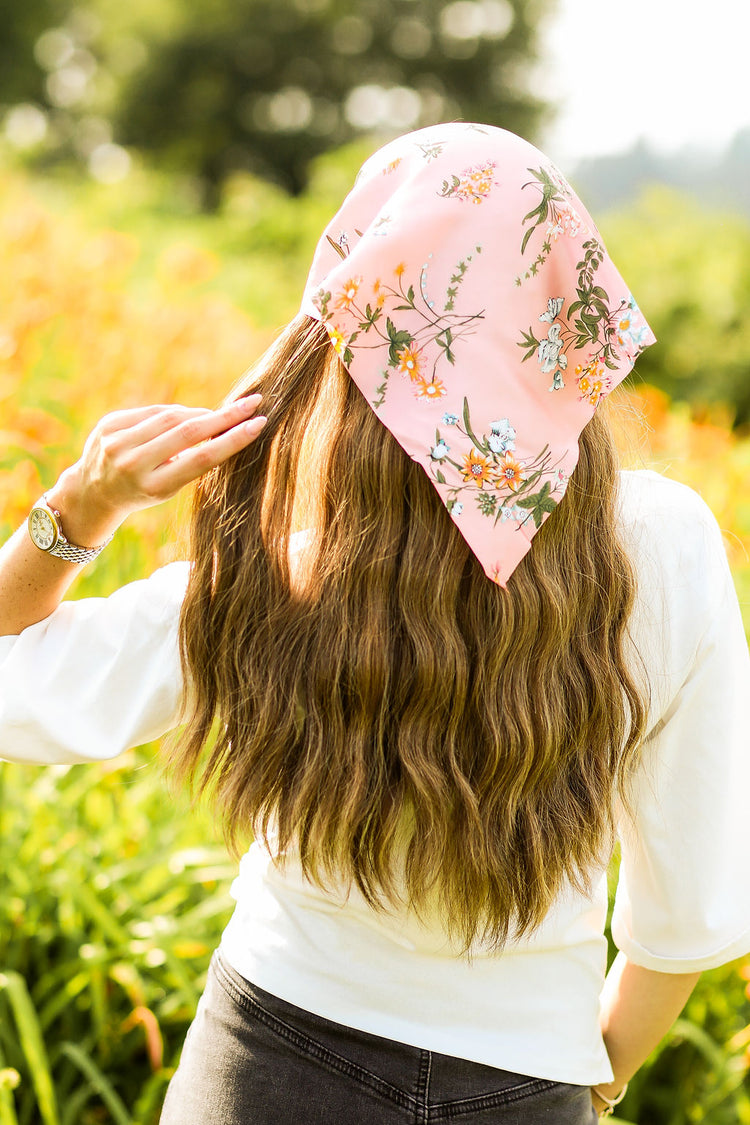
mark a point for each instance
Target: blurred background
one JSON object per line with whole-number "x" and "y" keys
{"x": 166, "y": 167}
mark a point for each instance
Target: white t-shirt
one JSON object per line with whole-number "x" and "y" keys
{"x": 108, "y": 673}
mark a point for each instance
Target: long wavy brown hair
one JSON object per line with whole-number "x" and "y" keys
{"x": 383, "y": 710}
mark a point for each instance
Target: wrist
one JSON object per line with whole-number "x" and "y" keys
{"x": 85, "y": 520}
{"x": 605, "y": 1098}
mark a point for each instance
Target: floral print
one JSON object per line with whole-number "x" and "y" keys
{"x": 555, "y": 212}
{"x": 460, "y": 284}
{"x": 589, "y": 322}
{"x": 631, "y": 330}
{"x": 430, "y": 151}
{"x": 348, "y": 293}
{"x": 502, "y": 436}
{"x": 592, "y": 381}
{"x": 474, "y": 184}
{"x": 504, "y": 485}
{"x": 407, "y": 348}
{"x": 550, "y": 349}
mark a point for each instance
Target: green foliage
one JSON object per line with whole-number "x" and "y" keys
{"x": 113, "y": 899}
{"x": 216, "y": 86}
{"x": 689, "y": 269}
{"x": 269, "y": 84}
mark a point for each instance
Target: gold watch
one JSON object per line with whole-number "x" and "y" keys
{"x": 46, "y": 533}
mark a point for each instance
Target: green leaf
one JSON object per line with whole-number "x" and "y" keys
{"x": 339, "y": 250}
{"x": 538, "y": 504}
{"x": 102, "y": 1085}
{"x": 371, "y": 317}
{"x": 540, "y": 209}
{"x": 526, "y": 238}
{"x": 9, "y": 1079}
{"x": 439, "y": 477}
{"x": 467, "y": 425}
{"x": 32, "y": 1045}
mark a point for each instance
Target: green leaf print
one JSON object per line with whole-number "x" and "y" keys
{"x": 539, "y": 504}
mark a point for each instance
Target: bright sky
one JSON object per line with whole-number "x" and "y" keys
{"x": 676, "y": 72}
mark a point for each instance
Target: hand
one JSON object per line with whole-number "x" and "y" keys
{"x": 134, "y": 459}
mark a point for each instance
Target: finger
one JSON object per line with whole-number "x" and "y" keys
{"x": 194, "y": 431}
{"x": 125, "y": 419}
{"x": 158, "y": 422}
{"x": 192, "y": 463}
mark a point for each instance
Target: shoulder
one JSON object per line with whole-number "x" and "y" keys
{"x": 673, "y": 540}
{"x": 646, "y": 497}
{"x": 663, "y": 517}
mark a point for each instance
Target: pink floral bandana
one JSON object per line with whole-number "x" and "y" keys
{"x": 469, "y": 295}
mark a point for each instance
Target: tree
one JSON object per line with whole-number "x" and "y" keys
{"x": 20, "y": 77}
{"x": 266, "y": 85}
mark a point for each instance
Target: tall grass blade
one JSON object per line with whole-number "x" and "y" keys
{"x": 102, "y": 1085}
{"x": 32, "y": 1044}
{"x": 9, "y": 1080}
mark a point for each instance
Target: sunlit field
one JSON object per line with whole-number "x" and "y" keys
{"x": 114, "y": 896}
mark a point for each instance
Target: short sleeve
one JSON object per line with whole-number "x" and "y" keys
{"x": 683, "y": 899}
{"x": 96, "y": 677}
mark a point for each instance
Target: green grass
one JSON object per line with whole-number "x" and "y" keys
{"x": 113, "y": 898}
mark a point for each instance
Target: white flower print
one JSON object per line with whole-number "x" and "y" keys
{"x": 554, "y": 308}
{"x": 502, "y": 436}
{"x": 566, "y": 221}
{"x": 440, "y": 451}
{"x": 550, "y": 356}
{"x": 513, "y": 512}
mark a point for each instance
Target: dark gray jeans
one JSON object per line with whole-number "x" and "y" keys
{"x": 253, "y": 1059}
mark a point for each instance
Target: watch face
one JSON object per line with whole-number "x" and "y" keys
{"x": 42, "y": 529}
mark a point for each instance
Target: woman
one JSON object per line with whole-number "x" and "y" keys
{"x": 448, "y": 654}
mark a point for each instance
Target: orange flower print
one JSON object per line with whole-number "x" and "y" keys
{"x": 392, "y": 166}
{"x": 336, "y": 339}
{"x": 623, "y": 326}
{"x": 348, "y": 293}
{"x": 592, "y": 382}
{"x": 478, "y": 469}
{"x": 631, "y": 331}
{"x": 473, "y": 184}
{"x": 434, "y": 390}
{"x": 400, "y": 269}
{"x": 509, "y": 473}
{"x": 408, "y": 362}
{"x": 380, "y": 294}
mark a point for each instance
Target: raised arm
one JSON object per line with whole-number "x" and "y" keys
{"x": 133, "y": 459}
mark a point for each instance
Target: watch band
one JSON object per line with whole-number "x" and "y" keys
{"x": 68, "y": 551}
{"x": 62, "y": 548}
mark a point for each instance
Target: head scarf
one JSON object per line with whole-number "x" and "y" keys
{"x": 469, "y": 295}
